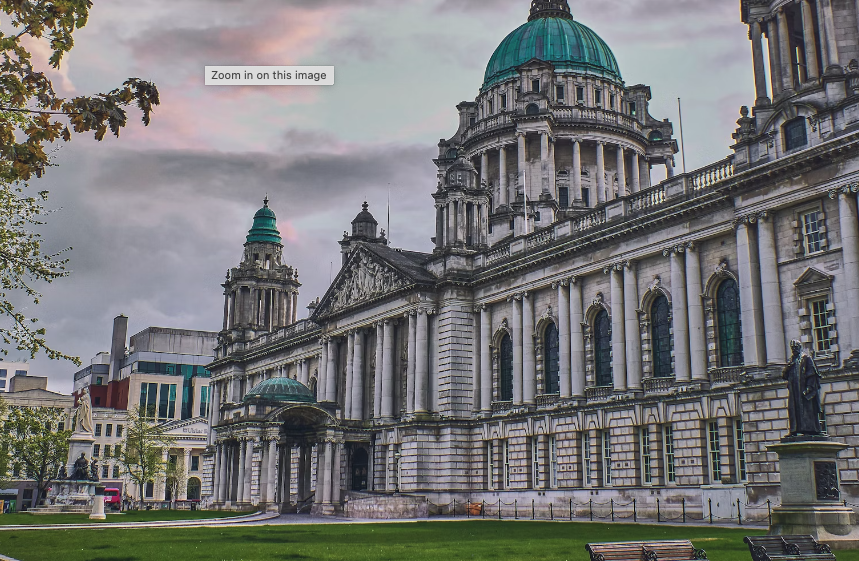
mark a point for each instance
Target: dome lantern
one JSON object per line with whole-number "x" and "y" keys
{"x": 550, "y": 9}
{"x": 264, "y": 229}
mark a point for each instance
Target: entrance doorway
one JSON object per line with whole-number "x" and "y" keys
{"x": 360, "y": 467}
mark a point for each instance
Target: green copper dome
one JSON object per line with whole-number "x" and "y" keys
{"x": 285, "y": 390}
{"x": 569, "y": 45}
{"x": 265, "y": 226}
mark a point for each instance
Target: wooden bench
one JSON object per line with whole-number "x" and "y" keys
{"x": 669, "y": 550}
{"x": 787, "y": 548}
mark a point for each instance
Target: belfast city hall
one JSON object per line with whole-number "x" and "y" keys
{"x": 580, "y": 332}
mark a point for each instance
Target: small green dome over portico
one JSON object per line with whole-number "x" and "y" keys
{"x": 281, "y": 390}
{"x": 552, "y": 35}
{"x": 265, "y": 226}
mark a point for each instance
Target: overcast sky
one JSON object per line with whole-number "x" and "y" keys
{"x": 156, "y": 217}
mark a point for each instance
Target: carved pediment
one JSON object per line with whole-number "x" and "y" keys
{"x": 364, "y": 278}
{"x": 813, "y": 282}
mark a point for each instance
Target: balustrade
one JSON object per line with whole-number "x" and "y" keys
{"x": 712, "y": 174}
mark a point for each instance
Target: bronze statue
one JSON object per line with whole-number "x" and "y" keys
{"x": 93, "y": 473}
{"x": 80, "y": 469}
{"x": 803, "y": 384}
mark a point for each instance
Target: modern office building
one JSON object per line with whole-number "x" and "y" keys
{"x": 8, "y": 370}
{"x": 577, "y": 330}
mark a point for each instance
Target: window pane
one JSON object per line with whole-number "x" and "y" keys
{"x": 506, "y": 369}
{"x": 602, "y": 349}
{"x": 162, "y": 403}
{"x": 794, "y": 134}
{"x": 730, "y": 334}
{"x": 661, "y": 337}
{"x": 812, "y": 235}
{"x": 551, "y": 362}
{"x": 820, "y": 328}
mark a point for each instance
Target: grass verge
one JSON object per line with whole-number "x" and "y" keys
{"x": 24, "y": 518}
{"x": 421, "y": 541}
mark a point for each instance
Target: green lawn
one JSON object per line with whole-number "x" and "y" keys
{"x": 435, "y": 541}
{"x": 23, "y": 518}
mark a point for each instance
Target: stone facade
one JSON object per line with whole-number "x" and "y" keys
{"x": 577, "y": 332}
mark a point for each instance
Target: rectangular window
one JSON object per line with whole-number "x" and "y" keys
{"x": 586, "y": 459}
{"x": 794, "y": 134}
{"x": 506, "y": 464}
{"x": 580, "y": 94}
{"x": 646, "y": 476}
{"x": 99, "y": 380}
{"x": 118, "y": 431}
{"x": 204, "y": 401}
{"x": 3, "y": 373}
{"x": 559, "y": 93}
{"x": 490, "y": 462}
{"x": 715, "y": 452}
{"x": 149, "y": 489}
{"x": 61, "y": 426}
{"x": 171, "y": 404}
{"x": 489, "y": 107}
{"x": 613, "y": 100}
{"x": 606, "y": 457}
{"x": 813, "y": 235}
{"x": 104, "y": 471}
{"x": 535, "y": 85}
{"x": 2, "y": 383}
{"x": 195, "y": 463}
{"x": 98, "y": 429}
{"x": 148, "y": 399}
{"x": 740, "y": 448}
{"x": 163, "y": 401}
{"x": 820, "y": 314}
{"x": 563, "y": 197}
{"x": 108, "y": 430}
{"x": 632, "y": 108}
{"x": 107, "y": 450}
{"x": 598, "y": 97}
{"x": 535, "y": 463}
{"x": 20, "y": 373}
{"x": 96, "y": 450}
{"x": 116, "y": 472}
{"x": 668, "y": 452}
{"x": 117, "y": 451}
{"x": 504, "y": 101}
{"x": 553, "y": 462}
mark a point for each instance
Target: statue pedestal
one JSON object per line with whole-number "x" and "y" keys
{"x": 79, "y": 443}
{"x": 810, "y": 493}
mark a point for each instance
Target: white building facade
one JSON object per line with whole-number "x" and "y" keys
{"x": 577, "y": 331}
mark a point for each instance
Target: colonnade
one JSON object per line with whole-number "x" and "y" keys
{"x": 632, "y": 170}
{"x": 462, "y": 220}
{"x": 817, "y": 26}
{"x": 356, "y": 405}
{"x": 264, "y": 307}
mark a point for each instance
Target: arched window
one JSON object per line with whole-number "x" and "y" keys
{"x": 729, "y": 328}
{"x": 660, "y": 334}
{"x": 602, "y": 349}
{"x": 194, "y": 489}
{"x": 532, "y": 109}
{"x": 506, "y": 367}
{"x": 655, "y": 136}
{"x": 551, "y": 362}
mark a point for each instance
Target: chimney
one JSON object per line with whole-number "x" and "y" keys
{"x": 117, "y": 345}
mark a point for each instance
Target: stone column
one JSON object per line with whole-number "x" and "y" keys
{"x": 249, "y": 468}
{"x": 225, "y": 482}
{"x": 350, "y": 367}
{"x": 335, "y": 474}
{"x": 301, "y": 487}
{"x": 516, "y": 339}
{"x": 286, "y": 473}
{"x": 226, "y": 311}
{"x": 775, "y": 57}
{"x": 631, "y": 327}
{"x": 484, "y": 168}
{"x": 240, "y": 498}
{"x": 621, "y": 172}
{"x": 520, "y": 138}
{"x": 439, "y": 227}
{"x": 618, "y": 330}
{"x": 294, "y": 308}
{"x": 577, "y": 341}
{"x": 576, "y": 172}
{"x": 544, "y": 162}
{"x": 636, "y": 172}
{"x": 529, "y": 367}
{"x": 771, "y": 292}
{"x": 697, "y": 334}
{"x": 183, "y": 489}
{"x": 323, "y": 474}
{"x": 331, "y": 372}
{"x": 811, "y": 60}
{"x": 503, "y": 189}
{"x": 758, "y": 58}
{"x": 217, "y": 480}
{"x": 848, "y": 220}
{"x": 460, "y": 221}
{"x": 445, "y": 224}
{"x": 825, "y": 9}
{"x": 678, "y": 316}
{"x": 784, "y": 52}
{"x": 644, "y": 172}
{"x": 388, "y": 370}
{"x": 410, "y": 368}
{"x": 271, "y": 457}
{"x": 485, "y": 359}
{"x": 377, "y": 375}
{"x": 322, "y": 382}
{"x": 358, "y": 377}
{"x": 564, "y": 339}
{"x": 421, "y": 361}
{"x": 553, "y": 180}
{"x": 601, "y": 198}
{"x": 214, "y": 406}
{"x": 748, "y": 270}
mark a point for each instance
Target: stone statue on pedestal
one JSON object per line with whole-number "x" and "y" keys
{"x": 93, "y": 470}
{"x": 83, "y": 415}
{"x": 803, "y": 384}
{"x": 80, "y": 470}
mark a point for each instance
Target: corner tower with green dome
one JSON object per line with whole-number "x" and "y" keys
{"x": 261, "y": 294}
{"x": 554, "y": 132}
